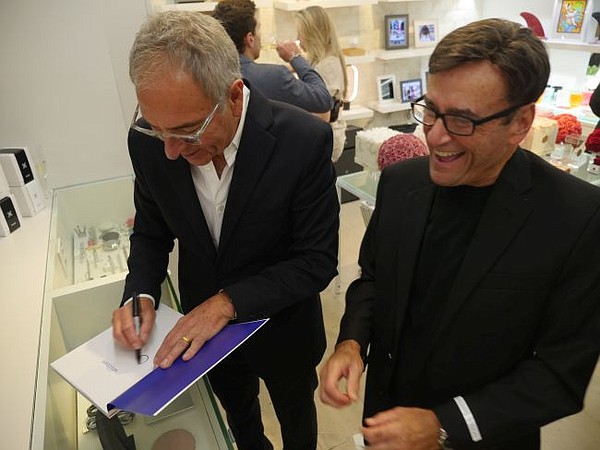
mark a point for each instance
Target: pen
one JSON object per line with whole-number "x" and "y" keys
{"x": 137, "y": 322}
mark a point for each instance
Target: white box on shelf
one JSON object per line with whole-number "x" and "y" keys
{"x": 30, "y": 198}
{"x": 18, "y": 168}
{"x": 367, "y": 146}
{"x": 10, "y": 219}
{"x": 3, "y": 184}
{"x": 17, "y": 165}
{"x": 541, "y": 136}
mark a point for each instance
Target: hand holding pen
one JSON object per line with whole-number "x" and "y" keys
{"x": 133, "y": 322}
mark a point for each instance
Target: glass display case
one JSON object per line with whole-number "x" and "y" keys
{"x": 85, "y": 274}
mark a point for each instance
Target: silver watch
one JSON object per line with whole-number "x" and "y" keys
{"x": 443, "y": 440}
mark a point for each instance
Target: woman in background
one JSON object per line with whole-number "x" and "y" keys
{"x": 318, "y": 39}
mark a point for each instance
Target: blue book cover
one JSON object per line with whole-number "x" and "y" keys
{"x": 108, "y": 375}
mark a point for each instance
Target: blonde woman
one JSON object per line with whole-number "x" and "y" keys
{"x": 318, "y": 39}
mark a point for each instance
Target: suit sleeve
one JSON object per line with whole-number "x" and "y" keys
{"x": 151, "y": 240}
{"x": 550, "y": 383}
{"x": 308, "y": 91}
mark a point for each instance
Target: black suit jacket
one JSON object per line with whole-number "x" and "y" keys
{"x": 278, "y": 243}
{"x": 519, "y": 334}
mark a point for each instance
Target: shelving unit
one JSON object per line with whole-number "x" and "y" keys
{"x": 356, "y": 112}
{"x": 388, "y": 55}
{"x": 361, "y": 59}
{"x": 297, "y": 5}
{"x": 572, "y": 45}
{"x": 201, "y": 6}
{"x": 389, "y": 107}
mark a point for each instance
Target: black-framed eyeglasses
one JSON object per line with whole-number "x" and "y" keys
{"x": 454, "y": 123}
{"x": 193, "y": 139}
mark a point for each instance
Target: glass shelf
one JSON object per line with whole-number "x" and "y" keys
{"x": 75, "y": 310}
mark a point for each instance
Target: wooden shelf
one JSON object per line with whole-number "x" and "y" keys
{"x": 389, "y": 107}
{"x": 572, "y": 45}
{"x": 356, "y": 112}
{"x": 388, "y": 55}
{"x": 361, "y": 59}
{"x": 297, "y": 5}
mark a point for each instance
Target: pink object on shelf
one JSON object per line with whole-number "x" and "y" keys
{"x": 400, "y": 147}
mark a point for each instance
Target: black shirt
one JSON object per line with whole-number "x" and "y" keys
{"x": 452, "y": 221}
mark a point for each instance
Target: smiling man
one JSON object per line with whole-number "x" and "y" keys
{"x": 477, "y": 307}
{"x": 246, "y": 186}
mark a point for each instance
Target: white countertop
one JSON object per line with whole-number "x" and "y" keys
{"x": 22, "y": 273}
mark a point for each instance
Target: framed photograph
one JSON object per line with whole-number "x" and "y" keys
{"x": 396, "y": 31}
{"x": 411, "y": 90}
{"x": 571, "y": 19}
{"x": 426, "y": 33}
{"x": 386, "y": 85}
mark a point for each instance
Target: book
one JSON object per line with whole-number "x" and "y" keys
{"x": 108, "y": 375}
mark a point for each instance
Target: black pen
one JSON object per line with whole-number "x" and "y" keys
{"x": 137, "y": 321}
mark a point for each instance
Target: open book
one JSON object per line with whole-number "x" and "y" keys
{"x": 109, "y": 376}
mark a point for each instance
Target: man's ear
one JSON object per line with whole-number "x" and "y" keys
{"x": 521, "y": 123}
{"x": 249, "y": 40}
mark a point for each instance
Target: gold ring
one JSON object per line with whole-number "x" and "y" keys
{"x": 186, "y": 339}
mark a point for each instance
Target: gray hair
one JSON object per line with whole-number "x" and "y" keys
{"x": 186, "y": 41}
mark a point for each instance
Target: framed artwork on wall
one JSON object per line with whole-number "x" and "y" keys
{"x": 411, "y": 90}
{"x": 386, "y": 85}
{"x": 426, "y": 33}
{"x": 571, "y": 19}
{"x": 396, "y": 31}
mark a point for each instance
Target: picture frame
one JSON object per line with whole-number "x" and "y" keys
{"x": 571, "y": 19}
{"x": 426, "y": 33}
{"x": 396, "y": 31}
{"x": 386, "y": 88}
{"x": 411, "y": 90}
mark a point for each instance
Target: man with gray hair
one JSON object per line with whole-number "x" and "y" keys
{"x": 246, "y": 186}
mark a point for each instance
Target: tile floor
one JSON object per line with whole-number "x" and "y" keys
{"x": 337, "y": 427}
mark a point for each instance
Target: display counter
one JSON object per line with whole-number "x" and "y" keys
{"x": 85, "y": 273}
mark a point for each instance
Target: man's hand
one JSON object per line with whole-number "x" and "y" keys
{"x": 124, "y": 328}
{"x": 347, "y": 363}
{"x": 195, "y": 328}
{"x": 287, "y": 50}
{"x": 402, "y": 429}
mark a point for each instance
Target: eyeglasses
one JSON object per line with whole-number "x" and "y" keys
{"x": 454, "y": 123}
{"x": 193, "y": 139}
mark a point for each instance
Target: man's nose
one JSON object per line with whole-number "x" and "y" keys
{"x": 437, "y": 134}
{"x": 172, "y": 148}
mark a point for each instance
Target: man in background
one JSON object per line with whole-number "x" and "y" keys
{"x": 247, "y": 188}
{"x": 275, "y": 81}
{"x": 477, "y": 306}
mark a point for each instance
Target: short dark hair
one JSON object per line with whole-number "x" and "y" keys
{"x": 514, "y": 49}
{"x": 237, "y": 17}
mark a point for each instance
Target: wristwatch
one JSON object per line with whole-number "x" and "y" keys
{"x": 443, "y": 440}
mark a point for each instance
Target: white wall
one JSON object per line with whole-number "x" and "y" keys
{"x": 568, "y": 67}
{"x": 64, "y": 87}
{"x": 65, "y": 91}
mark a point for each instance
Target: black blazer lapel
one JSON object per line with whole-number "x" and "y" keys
{"x": 413, "y": 220}
{"x": 256, "y": 146}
